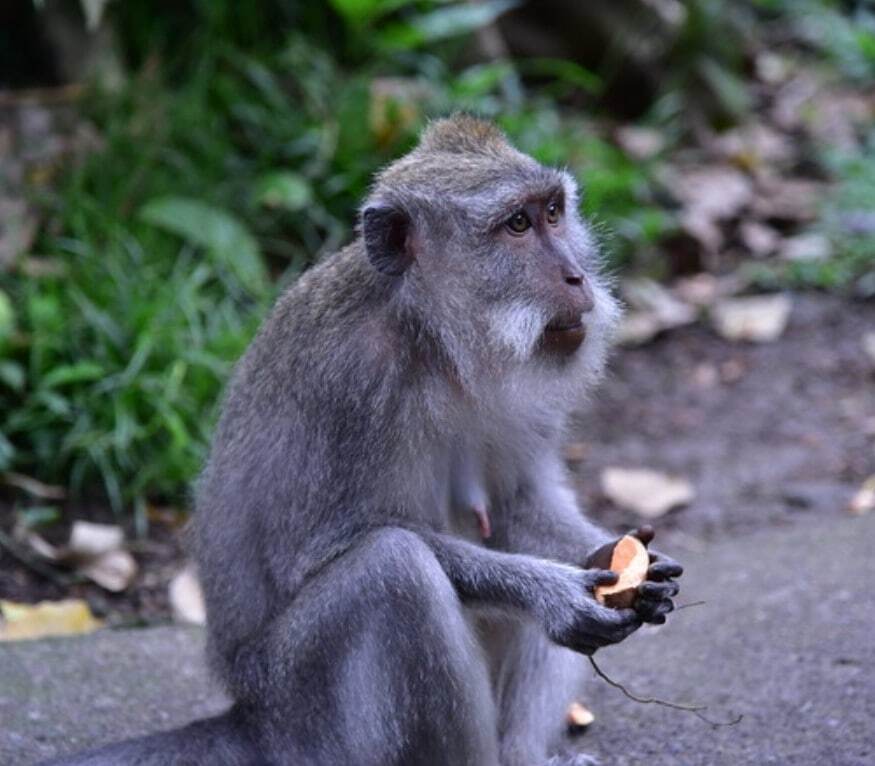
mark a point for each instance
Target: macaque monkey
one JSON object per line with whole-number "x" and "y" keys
{"x": 391, "y": 554}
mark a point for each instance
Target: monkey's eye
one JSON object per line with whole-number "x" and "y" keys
{"x": 554, "y": 212}
{"x": 518, "y": 223}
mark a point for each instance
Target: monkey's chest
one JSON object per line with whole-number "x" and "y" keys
{"x": 469, "y": 496}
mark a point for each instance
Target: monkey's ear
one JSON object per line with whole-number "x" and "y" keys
{"x": 386, "y": 232}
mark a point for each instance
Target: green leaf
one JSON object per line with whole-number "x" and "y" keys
{"x": 12, "y": 375}
{"x": 568, "y": 72}
{"x": 482, "y": 79}
{"x": 443, "y": 23}
{"x": 726, "y": 86}
{"x": 53, "y": 403}
{"x": 283, "y": 189}
{"x": 72, "y": 373}
{"x": 7, "y": 452}
{"x": 227, "y": 240}
{"x": 7, "y": 317}
{"x": 358, "y": 12}
{"x": 38, "y": 515}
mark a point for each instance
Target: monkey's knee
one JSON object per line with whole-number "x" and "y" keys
{"x": 400, "y": 565}
{"x": 420, "y": 638}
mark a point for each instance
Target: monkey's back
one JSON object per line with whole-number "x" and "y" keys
{"x": 288, "y": 484}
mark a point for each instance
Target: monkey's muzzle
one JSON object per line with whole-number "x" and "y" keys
{"x": 564, "y": 335}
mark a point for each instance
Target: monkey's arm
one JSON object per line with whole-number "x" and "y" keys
{"x": 542, "y": 517}
{"x": 556, "y": 595}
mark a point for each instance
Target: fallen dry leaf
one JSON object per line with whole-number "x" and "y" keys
{"x": 864, "y": 499}
{"x": 788, "y": 199}
{"x": 709, "y": 194}
{"x": 653, "y": 309}
{"x": 650, "y": 296}
{"x": 806, "y": 247}
{"x": 579, "y": 716}
{"x": 703, "y": 289}
{"x": 113, "y": 570}
{"x": 760, "y": 239}
{"x": 637, "y": 327}
{"x": 88, "y": 539}
{"x": 771, "y": 67}
{"x": 703, "y": 231}
{"x": 48, "y": 618}
{"x": 186, "y": 597}
{"x": 33, "y": 486}
{"x": 835, "y": 116}
{"x": 698, "y": 289}
{"x": 714, "y": 192}
{"x": 793, "y": 97}
{"x": 758, "y": 318}
{"x": 754, "y": 145}
{"x": 95, "y": 550}
{"x": 648, "y": 493}
{"x": 640, "y": 143}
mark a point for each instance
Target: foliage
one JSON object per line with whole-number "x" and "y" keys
{"x": 234, "y": 157}
{"x": 251, "y": 167}
{"x": 848, "y": 219}
{"x": 846, "y": 38}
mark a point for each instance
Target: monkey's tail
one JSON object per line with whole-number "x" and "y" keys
{"x": 218, "y": 740}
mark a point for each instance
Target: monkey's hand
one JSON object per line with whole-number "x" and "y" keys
{"x": 654, "y": 600}
{"x": 576, "y": 620}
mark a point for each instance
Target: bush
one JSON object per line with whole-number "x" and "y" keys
{"x": 167, "y": 245}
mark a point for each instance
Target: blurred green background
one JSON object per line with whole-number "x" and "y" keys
{"x": 168, "y": 166}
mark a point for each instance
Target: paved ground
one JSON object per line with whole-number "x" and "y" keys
{"x": 787, "y": 638}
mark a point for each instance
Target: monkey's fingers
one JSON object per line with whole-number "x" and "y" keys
{"x": 657, "y": 591}
{"x": 644, "y": 533}
{"x": 654, "y": 612}
{"x": 613, "y": 625}
{"x": 662, "y": 567}
{"x": 601, "y": 577}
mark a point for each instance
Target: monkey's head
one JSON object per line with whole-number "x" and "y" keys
{"x": 485, "y": 246}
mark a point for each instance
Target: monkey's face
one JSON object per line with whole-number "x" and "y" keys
{"x": 487, "y": 246}
{"x": 541, "y": 290}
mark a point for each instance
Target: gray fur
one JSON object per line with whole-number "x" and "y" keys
{"x": 351, "y": 615}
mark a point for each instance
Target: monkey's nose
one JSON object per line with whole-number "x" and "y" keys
{"x": 581, "y": 292}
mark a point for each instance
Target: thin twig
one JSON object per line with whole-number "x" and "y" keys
{"x": 696, "y": 710}
{"x": 687, "y": 606}
{"x": 32, "y": 562}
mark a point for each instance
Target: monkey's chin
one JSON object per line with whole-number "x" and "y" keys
{"x": 563, "y": 340}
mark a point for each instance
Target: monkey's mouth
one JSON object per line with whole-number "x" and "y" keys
{"x": 564, "y": 334}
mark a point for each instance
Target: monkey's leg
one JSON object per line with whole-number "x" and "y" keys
{"x": 374, "y": 664}
{"x": 535, "y": 681}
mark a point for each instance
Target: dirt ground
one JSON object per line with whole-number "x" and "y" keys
{"x": 766, "y": 433}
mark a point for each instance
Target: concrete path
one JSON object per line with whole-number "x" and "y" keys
{"x": 787, "y": 638}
